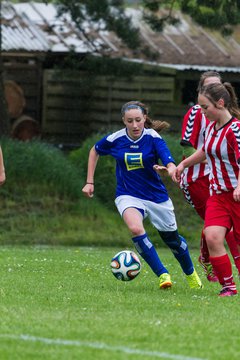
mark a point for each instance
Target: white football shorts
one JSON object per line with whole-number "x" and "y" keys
{"x": 161, "y": 215}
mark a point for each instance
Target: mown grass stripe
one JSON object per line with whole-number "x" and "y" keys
{"x": 99, "y": 346}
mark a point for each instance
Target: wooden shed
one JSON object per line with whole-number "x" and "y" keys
{"x": 74, "y": 109}
{"x": 69, "y": 106}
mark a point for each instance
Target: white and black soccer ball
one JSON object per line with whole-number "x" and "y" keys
{"x": 125, "y": 265}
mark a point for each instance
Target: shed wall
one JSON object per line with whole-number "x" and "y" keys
{"x": 75, "y": 106}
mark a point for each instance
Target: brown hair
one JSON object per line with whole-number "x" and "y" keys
{"x": 205, "y": 75}
{"x": 225, "y": 91}
{"x": 157, "y": 125}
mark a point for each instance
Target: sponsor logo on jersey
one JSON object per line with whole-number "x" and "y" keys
{"x": 133, "y": 161}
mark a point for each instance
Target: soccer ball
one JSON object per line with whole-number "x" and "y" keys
{"x": 125, "y": 265}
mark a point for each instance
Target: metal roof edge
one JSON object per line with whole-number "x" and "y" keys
{"x": 185, "y": 67}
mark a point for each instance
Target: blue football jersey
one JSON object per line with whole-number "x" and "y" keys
{"x": 134, "y": 163}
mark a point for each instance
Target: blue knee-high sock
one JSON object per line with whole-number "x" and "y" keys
{"x": 183, "y": 257}
{"x": 179, "y": 248}
{"x": 148, "y": 252}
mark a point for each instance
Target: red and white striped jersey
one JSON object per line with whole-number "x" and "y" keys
{"x": 222, "y": 149}
{"x": 193, "y": 128}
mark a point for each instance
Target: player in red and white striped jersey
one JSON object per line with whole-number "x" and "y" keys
{"x": 195, "y": 179}
{"x": 222, "y": 148}
{"x": 193, "y": 128}
{"x": 222, "y": 151}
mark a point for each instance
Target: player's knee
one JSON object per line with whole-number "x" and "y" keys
{"x": 213, "y": 239}
{"x": 174, "y": 241}
{"x": 135, "y": 229}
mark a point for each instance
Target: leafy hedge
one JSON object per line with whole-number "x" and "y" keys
{"x": 105, "y": 182}
{"x": 40, "y": 164}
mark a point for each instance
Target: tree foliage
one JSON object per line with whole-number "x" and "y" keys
{"x": 151, "y": 14}
{"x": 215, "y": 14}
{"x": 108, "y": 14}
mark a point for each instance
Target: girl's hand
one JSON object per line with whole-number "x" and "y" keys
{"x": 236, "y": 194}
{"x": 177, "y": 173}
{"x": 88, "y": 190}
{"x": 161, "y": 170}
{"x": 165, "y": 170}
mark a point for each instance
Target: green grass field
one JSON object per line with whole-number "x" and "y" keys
{"x": 64, "y": 303}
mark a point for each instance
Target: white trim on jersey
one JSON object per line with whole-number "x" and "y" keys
{"x": 123, "y": 132}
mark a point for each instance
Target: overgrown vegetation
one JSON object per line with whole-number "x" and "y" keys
{"x": 41, "y": 165}
{"x": 42, "y": 202}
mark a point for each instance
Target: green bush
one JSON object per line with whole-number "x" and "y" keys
{"x": 105, "y": 180}
{"x": 173, "y": 143}
{"x": 38, "y": 165}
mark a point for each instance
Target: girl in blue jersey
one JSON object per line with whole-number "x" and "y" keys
{"x": 140, "y": 191}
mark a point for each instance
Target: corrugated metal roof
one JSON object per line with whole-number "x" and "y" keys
{"x": 18, "y": 33}
{"x": 189, "y": 44}
{"x": 36, "y": 27}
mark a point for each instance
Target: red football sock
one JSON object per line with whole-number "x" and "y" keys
{"x": 234, "y": 249}
{"x": 223, "y": 269}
